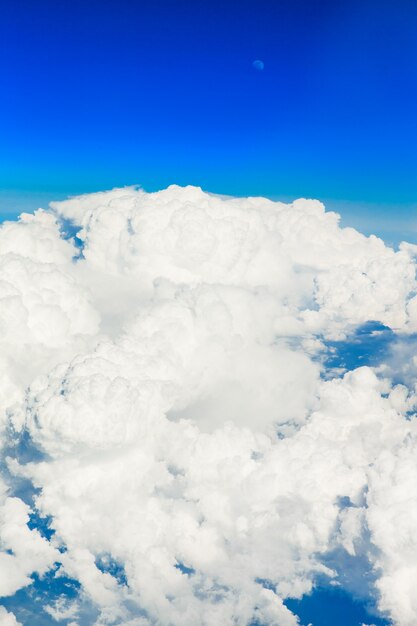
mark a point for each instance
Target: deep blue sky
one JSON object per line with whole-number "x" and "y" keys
{"x": 106, "y": 93}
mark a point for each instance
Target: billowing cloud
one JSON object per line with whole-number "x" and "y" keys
{"x": 192, "y": 455}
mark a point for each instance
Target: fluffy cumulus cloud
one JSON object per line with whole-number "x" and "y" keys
{"x": 188, "y": 457}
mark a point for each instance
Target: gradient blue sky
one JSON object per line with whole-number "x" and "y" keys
{"x": 102, "y": 93}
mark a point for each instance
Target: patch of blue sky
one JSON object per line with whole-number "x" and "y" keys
{"x": 373, "y": 344}
{"x": 21, "y": 449}
{"x": 184, "y": 569}
{"x": 69, "y": 232}
{"x": 29, "y": 603}
{"x": 108, "y": 565}
{"x": 355, "y": 575}
{"x": 331, "y": 606}
{"x": 369, "y": 344}
{"x": 43, "y": 524}
{"x": 347, "y": 600}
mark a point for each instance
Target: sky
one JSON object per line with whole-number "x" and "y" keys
{"x": 105, "y": 94}
{"x": 208, "y": 399}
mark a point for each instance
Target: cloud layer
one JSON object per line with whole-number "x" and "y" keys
{"x": 164, "y": 355}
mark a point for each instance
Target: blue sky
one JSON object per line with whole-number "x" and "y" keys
{"x": 104, "y": 94}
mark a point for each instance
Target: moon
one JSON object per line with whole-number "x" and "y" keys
{"x": 258, "y": 65}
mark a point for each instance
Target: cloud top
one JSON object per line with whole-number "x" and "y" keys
{"x": 195, "y": 458}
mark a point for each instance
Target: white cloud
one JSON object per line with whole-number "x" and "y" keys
{"x": 62, "y": 609}
{"x": 196, "y": 462}
{"x": 44, "y": 314}
{"x": 7, "y": 619}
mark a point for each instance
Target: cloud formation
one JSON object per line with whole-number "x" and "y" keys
{"x": 195, "y": 459}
